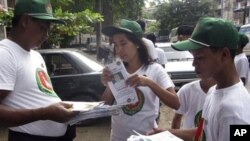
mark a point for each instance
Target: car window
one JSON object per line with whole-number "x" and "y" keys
{"x": 59, "y": 65}
{"x": 173, "y": 55}
{"x": 92, "y": 65}
{"x": 245, "y": 29}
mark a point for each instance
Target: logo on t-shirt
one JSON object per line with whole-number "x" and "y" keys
{"x": 197, "y": 118}
{"x": 132, "y": 109}
{"x": 197, "y": 121}
{"x": 44, "y": 83}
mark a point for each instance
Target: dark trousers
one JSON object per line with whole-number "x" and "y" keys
{"x": 17, "y": 136}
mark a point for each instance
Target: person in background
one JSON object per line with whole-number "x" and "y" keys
{"x": 150, "y": 80}
{"x": 213, "y": 44}
{"x": 28, "y": 104}
{"x": 192, "y": 97}
{"x": 184, "y": 32}
{"x": 240, "y": 60}
{"x": 160, "y": 52}
{"x": 149, "y": 44}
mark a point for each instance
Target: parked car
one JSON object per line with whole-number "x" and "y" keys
{"x": 179, "y": 65}
{"x": 91, "y": 44}
{"x": 74, "y": 76}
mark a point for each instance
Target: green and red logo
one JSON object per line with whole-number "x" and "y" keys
{"x": 132, "y": 109}
{"x": 44, "y": 82}
{"x": 197, "y": 118}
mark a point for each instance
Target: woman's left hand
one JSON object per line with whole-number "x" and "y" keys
{"x": 138, "y": 80}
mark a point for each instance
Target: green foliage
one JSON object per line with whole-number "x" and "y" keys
{"x": 177, "y": 12}
{"x": 153, "y": 27}
{"x": 5, "y": 17}
{"x": 75, "y": 23}
{"x": 127, "y": 9}
{"x": 79, "y": 22}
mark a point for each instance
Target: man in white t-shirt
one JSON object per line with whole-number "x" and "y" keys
{"x": 213, "y": 45}
{"x": 28, "y": 104}
{"x": 192, "y": 97}
{"x": 149, "y": 44}
{"x": 160, "y": 52}
{"x": 240, "y": 60}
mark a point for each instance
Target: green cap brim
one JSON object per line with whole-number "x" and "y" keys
{"x": 48, "y": 18}
{"x": 186, "y": 45}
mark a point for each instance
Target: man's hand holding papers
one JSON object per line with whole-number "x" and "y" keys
{"x": 88, "y": 110}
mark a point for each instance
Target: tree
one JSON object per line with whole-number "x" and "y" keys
{"x": 178, "y": 12}
{"x": 80, "y": 17}
{"x": 122, "y": 9}
{"x": 78, "y": 22}
{"x": 75, "y": 22}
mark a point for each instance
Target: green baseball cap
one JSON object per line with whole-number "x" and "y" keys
{"x": 243, "y": 40}
{"x": 126, "y": 26}
{"x": 38, "y": 9}
{"x": 211, "y": 32}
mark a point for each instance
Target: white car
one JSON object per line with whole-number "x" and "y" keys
{"x": 178, "y": 65}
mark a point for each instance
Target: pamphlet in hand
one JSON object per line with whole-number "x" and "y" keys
{"x": 162, "y": 136}
{"x": 83, "y": 106}
{"x": 88, "y": 110}
{"x": 123, "y": 93}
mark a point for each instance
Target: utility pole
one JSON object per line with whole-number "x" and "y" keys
{"x": 222, "y": 8}
{"x": 98, "y": 29}
{"x": 245, "y": 12}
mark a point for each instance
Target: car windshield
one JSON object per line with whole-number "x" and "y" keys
{"x": 245, "y": 30}
{"x": 92, "y": 64}
{"x": 173, "y": 55}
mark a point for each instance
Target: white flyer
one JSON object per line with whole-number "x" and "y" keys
{"x": 162, "y": 136}
{"x": 123, "y": 93}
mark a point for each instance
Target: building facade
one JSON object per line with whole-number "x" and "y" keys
{"x": 236, "y": 11}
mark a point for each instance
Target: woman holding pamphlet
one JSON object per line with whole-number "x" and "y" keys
{"x": 149, "y": 79}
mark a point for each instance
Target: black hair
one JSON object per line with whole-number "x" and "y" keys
{"x": 243, "y": 41}
{"x": 142, "y": 23}
{"x": 185, "y": 30}
{"x": 152, "y": 37}
{"x": 142, "y": 49}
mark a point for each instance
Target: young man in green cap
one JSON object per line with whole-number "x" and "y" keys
{"x": 28, "y": 104}
{"x": 240, "y": 60}
{"x": 213, "y": 45}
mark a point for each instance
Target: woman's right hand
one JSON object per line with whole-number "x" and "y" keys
{"x": 106, "y": 76}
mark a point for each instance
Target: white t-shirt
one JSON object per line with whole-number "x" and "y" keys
{"x": 151, "y": 48}
{"x": 25, "y": 75}
{"x": 225, "y": 107}
{"x": 141, "y": 116}
{"x": 242, "y": 65}
{"x": 192, "y": 99}
{"x": 161, "y": 56}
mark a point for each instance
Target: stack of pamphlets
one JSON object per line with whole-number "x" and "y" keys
{"x": 88, "y": 110}
{"x": 162, "y": 136}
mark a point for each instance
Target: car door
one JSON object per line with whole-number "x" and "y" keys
{"x": 70, "y": 80}
{"x": 63, "y": 74}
